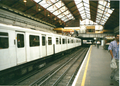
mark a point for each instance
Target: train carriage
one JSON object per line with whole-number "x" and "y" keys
{"x": 21, "y": 45}
{"x": 58, "y": 46}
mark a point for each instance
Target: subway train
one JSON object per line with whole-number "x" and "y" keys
{"x": 22, "y": 45}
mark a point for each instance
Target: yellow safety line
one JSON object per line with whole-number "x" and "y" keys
{"x": 85, "y": 72}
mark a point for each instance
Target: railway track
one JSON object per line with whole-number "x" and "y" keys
{"x": 56, "y": 73}
{"x": 62, "y": 75}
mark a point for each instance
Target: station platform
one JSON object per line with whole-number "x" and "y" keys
{"x": 95, "y": 69}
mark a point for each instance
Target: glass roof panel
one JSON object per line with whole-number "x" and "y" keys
{"x": 69, "y": 15}
{"x": 59, "y": 4}
{"x": 104, "y": 19}
{"x": 87, "y": 12}
{"x": 104, "y": 16}
{"x": 80, "y": 5}
{"x": 98, "y": 17}
{"x": 63, "y": 9}
{"x": 99, "y": 14}
{"x": 83, "y": 14}
{"x": 83, "y": 8}
{"x": 82, "y": 11}
{"x": 86, "y": 8}
{"x": 66, "y": 12}
{"x": 53, "y": 6}
{"x": 63, "y": 18}
{"x": 56, "y": 12}
{"x": 87, "y": 22}
{"x": 86, "y": 5}
{"x": 102, "y": 23}
{"x": 60, "y": 16}
{"x": 66, "y": 20}
{"x": 108, "y": 5}
{"x": 101, "y": 7}
{"x": 102, "y": 2}
{"x": 77, "y": 1}
{"x": 104, "y": 13}
{"x": 37, "y": 0}
{"x": 108, "y": 10}
{"x": 91, "y": 22}
{"x": 88, "y": 15}
{"x": 44, "y": 4}
{"x": 100, "y": 11}
{"x": 107, "y": 14}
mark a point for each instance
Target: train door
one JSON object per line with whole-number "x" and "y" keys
{"x": 44, "y": 46}
{"x": 60, "y": 44}
{"x": 49, "y": 45}
{"x": 20, "y": 47}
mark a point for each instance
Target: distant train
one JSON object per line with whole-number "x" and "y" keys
{"x": 21, "y": 45}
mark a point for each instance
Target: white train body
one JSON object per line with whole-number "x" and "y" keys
{"x": 21, "y": 45}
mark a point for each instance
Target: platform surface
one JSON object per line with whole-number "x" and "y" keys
{"x": 95, "y": 70}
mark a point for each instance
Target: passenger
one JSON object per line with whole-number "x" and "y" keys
{"x": 114, "y": 52}
{"x": 98, "y": 43}
{"x": 34, "y": 42}
{"x": 19, "y": 44}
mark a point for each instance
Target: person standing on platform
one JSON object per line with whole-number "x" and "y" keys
{"x": 98, "y": 43}
{"x": 114, "y": 52}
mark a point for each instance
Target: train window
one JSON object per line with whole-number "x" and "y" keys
{"x": 4, "y": 43}
{"x": 63, "y": 41}
{"x": 49, "y": 40}
{"x": 79, "y": 40}
{"x": 57, "y": 41}
{"x": 43, "y": 41}
{"x": 76, "y": 41}
{"x": 68, "y": 41}
{"x": 20, "y": 40}
{"x": 34, "y": 40}
{"x": 60, "y": 40}
{"x": 72, "y": 41}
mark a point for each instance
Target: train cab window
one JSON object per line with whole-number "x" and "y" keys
{"x": 34, "y": 40}
{"x": 57, "y": 41}
{"x": 4, "y": 43}
{"x": 20, "y": 40}
{"x": 49, "y": 40}
{"x": 43, "y": 41}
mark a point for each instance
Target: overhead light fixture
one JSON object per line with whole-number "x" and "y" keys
{"x": 59, "y": 21}
{"x": 48, "y": 14}
{"x": 25, "y": 1}
{"x": 55, "y": 18}
{"x": 39, "y": 9}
